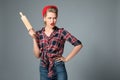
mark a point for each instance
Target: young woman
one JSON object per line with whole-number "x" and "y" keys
{"x": 48, "y": 45}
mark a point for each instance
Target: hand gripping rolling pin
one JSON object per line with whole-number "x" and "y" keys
{"x": 26, "y": 22}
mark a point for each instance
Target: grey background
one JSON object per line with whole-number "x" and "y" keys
{"x": 95, "y": 22}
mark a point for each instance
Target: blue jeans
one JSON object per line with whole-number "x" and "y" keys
{"x": 59, "y": 72}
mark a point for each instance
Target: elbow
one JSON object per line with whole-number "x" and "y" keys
{"x": 80, "y": 46}
{"x": 37, "y": 57}
{"x": 37, "y": 54}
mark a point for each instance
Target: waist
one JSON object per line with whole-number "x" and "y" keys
{"x": 55, "y": 62}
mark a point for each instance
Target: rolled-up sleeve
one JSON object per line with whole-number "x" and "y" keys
{"x": 38, "y": 38}
{"x": 70, "y": 38}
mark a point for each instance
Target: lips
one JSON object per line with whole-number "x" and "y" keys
{"x": 52, "y": 24}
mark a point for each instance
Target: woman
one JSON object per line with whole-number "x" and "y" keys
{"x": 48, "y": 45}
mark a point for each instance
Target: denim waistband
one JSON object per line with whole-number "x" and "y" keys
{"x": 55, "y": 62}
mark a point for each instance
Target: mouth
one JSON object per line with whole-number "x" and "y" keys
{"x": 52, "y": 24}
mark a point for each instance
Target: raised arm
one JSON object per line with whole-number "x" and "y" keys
{"x": 28, "y": 25}
{"x": 32, "y": 33}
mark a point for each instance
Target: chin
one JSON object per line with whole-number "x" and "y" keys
{"x": 52, "y": 26}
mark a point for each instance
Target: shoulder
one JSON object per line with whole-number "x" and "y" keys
{"x": 40, "y": 31}
{"x": 60, "y": 29}
{"x": 63, "y": 31}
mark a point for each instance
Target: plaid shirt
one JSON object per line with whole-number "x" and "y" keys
{"x": 53, "y": 46}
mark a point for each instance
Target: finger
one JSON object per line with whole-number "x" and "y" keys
{"x": 58, "y": 59}
{"x": 33, "y": 36}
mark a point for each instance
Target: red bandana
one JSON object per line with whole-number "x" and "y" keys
{"x": 46, "y": 8}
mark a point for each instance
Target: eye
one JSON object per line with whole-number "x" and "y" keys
{"x": 55, "y": 18}
{"x": 49, "y": 17}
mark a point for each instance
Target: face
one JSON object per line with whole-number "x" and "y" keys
{"x": 50, "y": 19}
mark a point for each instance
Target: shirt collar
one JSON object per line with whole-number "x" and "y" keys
{"x": 55, "y": 28}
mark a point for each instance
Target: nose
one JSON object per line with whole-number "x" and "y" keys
{"x": 52, "y": 20}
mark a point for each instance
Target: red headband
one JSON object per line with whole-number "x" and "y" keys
{"x": 46, "y": 8}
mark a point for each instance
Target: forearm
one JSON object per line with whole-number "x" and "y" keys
{"x": 75, "y": 50}
{"x": 36, "y": 49}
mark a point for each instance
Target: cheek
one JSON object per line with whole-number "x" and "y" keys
{"x": 55, "y": 21}
{"x": 47, "y": 21}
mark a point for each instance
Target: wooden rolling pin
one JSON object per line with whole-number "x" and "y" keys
{"x": 26, "y": 22}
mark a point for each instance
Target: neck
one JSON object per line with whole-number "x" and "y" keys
{"x": 48, "y": 31}
{"x": 48, "y": 28}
